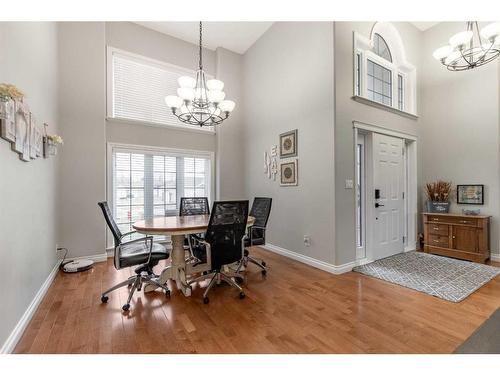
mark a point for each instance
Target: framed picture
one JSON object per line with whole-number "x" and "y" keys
{"x": 288, "y": 144}
{"x": 22, "y": 143}
{"x": 289, "y": 173}
{"x": 8, "y": 120}
{"x": 470, "y": 194}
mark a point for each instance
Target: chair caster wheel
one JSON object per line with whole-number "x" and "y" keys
{"x": 264, "y": 263}
{"x": 167, "y": 293}
{"x": 104, "y": 299}
{"x": 126, "y": 307}
{"x": 264, "y": 272}
{"x": 242, "y": 295}
{"x": 205, "y": 300}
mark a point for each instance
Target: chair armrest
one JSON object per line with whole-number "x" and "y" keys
{"x": 128, "y": 234}
{"x": 146, "y": 238}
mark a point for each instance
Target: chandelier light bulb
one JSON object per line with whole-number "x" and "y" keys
{"x": 173, "y": 101}
{"x": 186, "y": 93}
{"x": 215, "y": 84}
{"x": 216, "y": 96}
{"x": 491, "y": 31}
{"x": 442, "y": 53}
{"x": 227, "y": 106}
{"x": 459, "y": 40}
{"x": 187, "y": 82}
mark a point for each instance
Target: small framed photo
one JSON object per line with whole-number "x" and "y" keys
{"x": 470, "y": 194}
{"x": 289, "y": 173}
{"x": 8, "y": 120}
{"x": 288, "y": 144}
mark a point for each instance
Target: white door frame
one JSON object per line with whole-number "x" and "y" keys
{"x": 410, "y": 161}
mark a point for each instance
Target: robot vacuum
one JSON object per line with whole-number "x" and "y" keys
{"x": 77, "y": 265}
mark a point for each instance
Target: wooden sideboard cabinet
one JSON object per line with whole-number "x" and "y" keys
{"x": 457, "y": 236}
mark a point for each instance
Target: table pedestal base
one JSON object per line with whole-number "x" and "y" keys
{"x": 177, "y": 270}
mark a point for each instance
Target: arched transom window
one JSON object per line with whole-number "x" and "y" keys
{"x": 381, "y": 48}
{"x": 381, "y": 72}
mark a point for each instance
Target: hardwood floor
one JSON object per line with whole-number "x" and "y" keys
{"x": 297, "y": 309}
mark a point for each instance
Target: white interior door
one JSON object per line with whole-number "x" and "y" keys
{"x": 388, "y": 181}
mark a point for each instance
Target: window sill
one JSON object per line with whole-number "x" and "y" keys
{"x": 362, "y": 99}
{"x": 182, "y": 128}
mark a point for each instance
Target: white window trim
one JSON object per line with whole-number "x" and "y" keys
{"x": 110, "y": 51}
{"x": 152, "y": 149}
{"x": 363, "y": 46}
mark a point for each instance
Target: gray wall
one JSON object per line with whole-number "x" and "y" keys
{"x": 230, "y": 136}
{"x": 347, "y": 110}
{"x": 83, "y": 157}
{"x": 288, "y": 84}
{"x": 28, "y": 191}
{"x": 459, "y": 125}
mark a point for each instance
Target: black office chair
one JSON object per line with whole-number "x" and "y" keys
{"x": 142, "y": 252}
{"x": 261, "y": 208}
{"x": 223, "y": 243}
{"x": 193, "y": 206}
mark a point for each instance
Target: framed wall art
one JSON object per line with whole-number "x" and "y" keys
{"x": 22, "y": 143}
{"x": 289, "y": 173}
{"x": 470, "y": 194}
{"x": 288, "y": 144}
{"x": 8, "y": 120}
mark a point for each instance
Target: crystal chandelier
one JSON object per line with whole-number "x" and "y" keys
{"x": 471, "y": 48}
{"x": 198, "y": 101}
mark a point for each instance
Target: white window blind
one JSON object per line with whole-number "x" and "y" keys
{"x": 138, "y": 89}
{"x": 149, "y": 183}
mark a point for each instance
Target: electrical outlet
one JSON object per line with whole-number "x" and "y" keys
{"x": 307, "y": 241}
{"x": 349, "y": 184}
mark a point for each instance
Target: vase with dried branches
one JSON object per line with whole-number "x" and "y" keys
{"x": 438, "y": 196}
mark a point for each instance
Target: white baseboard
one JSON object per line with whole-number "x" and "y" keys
{"x": 17, "y": 332}
{"x": 495, "y": 257}
{"x": 328, "y": 267}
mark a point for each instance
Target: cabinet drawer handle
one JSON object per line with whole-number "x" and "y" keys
{"x": 435, "y": 228}
{"x": 435, "y": 219}
{"x": 453, "y": 237}
{"x": 436, "y": 240}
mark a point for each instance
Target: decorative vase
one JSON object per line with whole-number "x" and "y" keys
{"x": 438, "y": 207}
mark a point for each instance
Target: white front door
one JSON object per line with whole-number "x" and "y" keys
{"x": 388, "y": 181}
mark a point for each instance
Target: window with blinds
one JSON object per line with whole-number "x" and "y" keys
{"x": 148, "y": 183}
{"x": 137, "y": 87}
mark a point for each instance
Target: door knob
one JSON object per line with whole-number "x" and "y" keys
{"x": 377, "y": 205}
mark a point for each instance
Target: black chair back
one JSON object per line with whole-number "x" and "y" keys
{"x": 261, "y": 208}
{"x": 117, "y": 234}
{"x": 225, "y": 232}
{"x": 194, "y": 206}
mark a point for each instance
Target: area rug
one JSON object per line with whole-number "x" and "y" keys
{"x": 485, "y": 340}
{"x": 446, "y": 278}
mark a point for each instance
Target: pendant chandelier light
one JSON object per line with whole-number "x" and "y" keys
{"x": 471, "y": 48}
{"x": 198, "y": 101}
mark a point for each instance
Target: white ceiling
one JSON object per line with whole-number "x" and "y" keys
{"x": 424, "y": 25}
{"x": 234, "y": 36}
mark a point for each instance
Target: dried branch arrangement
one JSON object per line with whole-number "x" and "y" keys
{"x": 439, "y": 191}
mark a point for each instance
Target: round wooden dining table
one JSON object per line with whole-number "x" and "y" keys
{"x": 177, "y": 227}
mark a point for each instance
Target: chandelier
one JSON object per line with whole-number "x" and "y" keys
{"x": 198, "y": 101}
{"x": 471, "y": 48}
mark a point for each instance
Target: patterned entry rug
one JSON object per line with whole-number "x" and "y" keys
{"x": 446, "y": 278}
